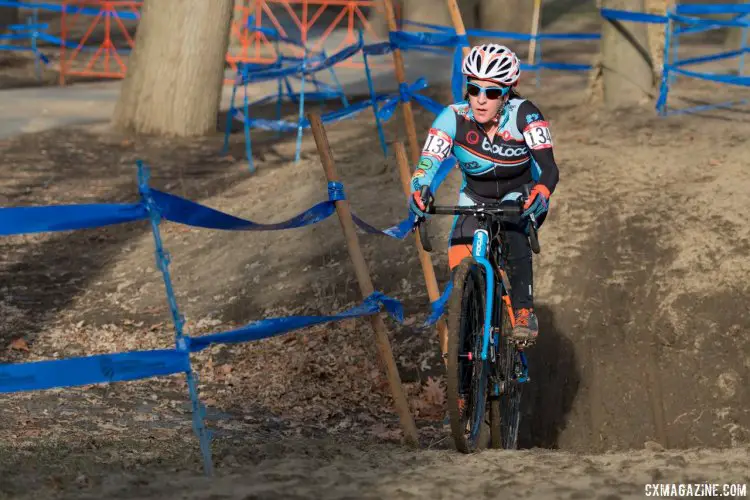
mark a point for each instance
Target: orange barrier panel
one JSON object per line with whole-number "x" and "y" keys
{"x": 256, "y": 47}
{"x": 92, "y": 33}
{"x": 98, "y": 34}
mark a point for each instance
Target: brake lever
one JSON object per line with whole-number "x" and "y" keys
{"x": 533, "y": 235}
{"x": 424, "y": 237}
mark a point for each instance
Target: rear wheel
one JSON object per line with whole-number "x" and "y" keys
{"x": 467, "y": 373}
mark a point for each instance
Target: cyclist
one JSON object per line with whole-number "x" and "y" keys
{"x": 501, "y": 142}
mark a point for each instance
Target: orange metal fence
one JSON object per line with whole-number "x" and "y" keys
{"x": 307, "y": 18}
{"x": 89, "y": 29}
{"x": 97, "y": 35}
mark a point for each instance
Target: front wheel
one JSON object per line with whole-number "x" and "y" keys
{"x": 467, "y": 373}
{"x": 511, "y": 371}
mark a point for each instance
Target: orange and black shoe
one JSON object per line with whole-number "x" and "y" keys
{"x": 527, "y": 326}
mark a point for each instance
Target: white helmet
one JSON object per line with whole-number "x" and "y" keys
{"x": 492, "y": 62}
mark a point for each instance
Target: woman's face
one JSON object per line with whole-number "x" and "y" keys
{"x": 485, "y": 110}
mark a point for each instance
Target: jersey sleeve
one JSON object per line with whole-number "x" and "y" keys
{"x": 437, "y": 147}
{"x": 536, "y": 133}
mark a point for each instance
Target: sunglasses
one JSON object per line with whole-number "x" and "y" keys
{"x": 492, "y": 93}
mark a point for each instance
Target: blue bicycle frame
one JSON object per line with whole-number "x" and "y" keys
{"x": 479, "y": 250}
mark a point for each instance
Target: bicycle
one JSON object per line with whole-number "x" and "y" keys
{"x": 484, "y": 363}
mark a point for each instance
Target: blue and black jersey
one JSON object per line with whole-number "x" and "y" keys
{"x": 520, "y": 153}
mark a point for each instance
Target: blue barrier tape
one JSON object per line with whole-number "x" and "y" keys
{"x": 27, "y": 27}
{"x": 274, "y": 34}
{"x": 706, "y": 107}
{"x": 638, "y": 17}
{"x": 336, "y": 58}
{"x": 711, "y": 22}
{"x": 97, "y": 369}
{"x": 25, "y": 220}
{"x": 409, "y": 92}
{"x": 743, "y": 81}
{"x": 182, "y": 211}
{"x": 714, "y": 9}
{"x": 287, "y": 126}
{"x": 407, "y": 40}
{"x": 70, "y": 9}
{"x": 305, "y": 67}
{"x": 569, "y": 36}
{"x": 457, "y": 77}
{"x": 716, "y": 57}
{"x": 508, "y": 34}
{"x": 277, "y": 326}
{"x": 377, "y": 49}
{"x": 435, "y": 27}
{"x": 686, "y": 30}
{"x": 437, "y": 308}
{"x": 336, "y": 191}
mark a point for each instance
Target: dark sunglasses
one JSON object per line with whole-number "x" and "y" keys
{"x": 492, "y": 93}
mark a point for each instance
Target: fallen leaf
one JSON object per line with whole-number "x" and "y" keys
{"x": 433, "y": 392}
{"x": 19, "y": 344}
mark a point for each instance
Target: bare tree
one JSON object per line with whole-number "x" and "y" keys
{"x": 626, "y": 66}
{"x": 176, "y": 70}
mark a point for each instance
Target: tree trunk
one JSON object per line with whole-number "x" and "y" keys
{"x": 506, "y": 15}
{"x": 626, "y": 67}
{"x": 8, "y": 16}
{"x": 657, "y": 34}
{"x": 426, "y": 11}
{"x": 175, "y": 77}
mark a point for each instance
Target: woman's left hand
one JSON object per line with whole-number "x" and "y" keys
{"x": 537, "y": 202}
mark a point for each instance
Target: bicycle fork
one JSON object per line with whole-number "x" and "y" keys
{"x": 479, "y": 251}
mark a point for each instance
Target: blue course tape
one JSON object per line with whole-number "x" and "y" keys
{"x": 435, "y": 27}
{"x": 743, "y": 81}
{"x": 182, "y": 211}
{"x": 24, "y": 220}
{"x": 438, "y": 307}
{"x": 406, "y": 40}
{"x": 508, "y": 34}
{"x": 102, "y": 368}
{"x": 277, "y": 326}
{"x": 714, "y": 9}
{"x": 713, "y": 57}
{"x": 738, "y": 23}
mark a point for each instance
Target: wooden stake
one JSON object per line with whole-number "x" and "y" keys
{"x": 534, "y": 31}
{"x": 398, "y": 63}
{"x": 433, "y": 292}
{"x": 365, "y": 283}
{"x": 458, "y": 21}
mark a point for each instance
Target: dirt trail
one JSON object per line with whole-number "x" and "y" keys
{"x": 642, "y": 291}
